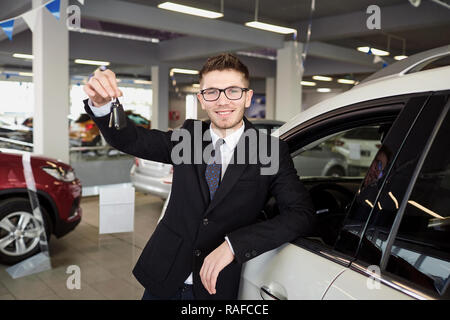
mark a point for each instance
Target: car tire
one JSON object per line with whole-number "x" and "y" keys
{"x": 11, "y": 211}
{"x": 335, "y": 172}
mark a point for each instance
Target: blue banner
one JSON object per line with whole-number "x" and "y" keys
{"x": 8, "y": 27}
{"x": 54, "y": 8}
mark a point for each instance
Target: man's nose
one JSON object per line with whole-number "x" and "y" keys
{"x": 222, "y": 99}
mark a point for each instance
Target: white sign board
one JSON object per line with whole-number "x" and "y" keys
{"x": 116, "y": 209}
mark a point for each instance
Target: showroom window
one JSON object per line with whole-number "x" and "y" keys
{"x": 421, "y": 250}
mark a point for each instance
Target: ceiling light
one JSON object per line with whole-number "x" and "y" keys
{"x": 26, "y": 74}
{"x": 400, "y": 57}
{"x": 92, "y": 62}
{"x": 190, "y": 10}
{"x": 196, "y": 85}
{"x": 322, "y": 78}
{"x": 269, "y": 27}
{"x": 23, "y": 56}
{"x": 323, "y": 89}
{"x": 138, "y": 81}
{"x": 346, "y": 81}
{"x": 114, "y": 34}
{"x": 308, "y": 83}
{"x": 185, "y": 71}
{"x": 376, "y": 52}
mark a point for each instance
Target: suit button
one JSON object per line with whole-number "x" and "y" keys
{"x": 247, "y": 255}
{"x": 197, "y": 252}
{"x": 254, "y": 253}
{"x": 205, "y": 222}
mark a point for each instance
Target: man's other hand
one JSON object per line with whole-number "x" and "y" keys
{"x": 102, "y": 87}
{"x": 213, "y": 264}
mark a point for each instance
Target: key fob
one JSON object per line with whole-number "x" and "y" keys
{"x": 118, "y": 117}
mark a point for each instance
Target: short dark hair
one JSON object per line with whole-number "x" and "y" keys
{"x": 224, "y": 61}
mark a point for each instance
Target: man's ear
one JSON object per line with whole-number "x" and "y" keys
{"x": 248, "y": 98}
{"x": 200, "y": 99}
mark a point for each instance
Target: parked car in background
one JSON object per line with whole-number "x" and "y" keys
{"x": 386, "y": 234}
{"x": 138, "y": 119}
{"x": 59, "y": 194}
{"x": 359, "y": 147}
{"x": 84, "y": 132}
{"x": 16, "y": 132}
{"x": 320, "y": 160}
{"x": 28, "y": 122}
{"x": 266, "y": 124}
{"x": 151, "y": 177}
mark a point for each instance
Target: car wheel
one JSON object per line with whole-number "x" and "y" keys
{"x": 335, "y": 172}
{"x": 19, "y": 230}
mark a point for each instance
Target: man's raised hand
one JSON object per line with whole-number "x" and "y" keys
{"x": 102, "y": 87}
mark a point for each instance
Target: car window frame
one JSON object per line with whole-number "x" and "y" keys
{"x": 365, "y": 113}
{"x": 394, "y": 281}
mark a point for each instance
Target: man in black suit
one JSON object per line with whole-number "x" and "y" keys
{"x": 221, "y": 183}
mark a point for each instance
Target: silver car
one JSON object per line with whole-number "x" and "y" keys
{"x": 151, "y": 177}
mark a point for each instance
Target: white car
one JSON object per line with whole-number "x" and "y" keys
{"x": 359, "y": 146}
{"x": 151, "y": 177}
{"x": 385, "y": 235}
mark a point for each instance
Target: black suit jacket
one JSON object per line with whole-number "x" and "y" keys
{"x": 193, "y": 226}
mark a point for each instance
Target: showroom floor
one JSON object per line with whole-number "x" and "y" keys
{"x": 105, "y": 261}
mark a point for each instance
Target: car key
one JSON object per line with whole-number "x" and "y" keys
{"x": 117, "y": 117}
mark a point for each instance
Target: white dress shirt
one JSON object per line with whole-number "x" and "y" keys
{"x": 226, "y": 149}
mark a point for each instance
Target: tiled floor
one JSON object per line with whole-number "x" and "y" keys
{"x": 105, "y": 261}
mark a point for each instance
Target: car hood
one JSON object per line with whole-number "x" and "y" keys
{"x": 15, "y": 156}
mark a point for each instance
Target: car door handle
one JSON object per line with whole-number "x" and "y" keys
{"x": 270, "y": 294}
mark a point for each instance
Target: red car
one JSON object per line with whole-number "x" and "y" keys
{"x": 59, "y": 193}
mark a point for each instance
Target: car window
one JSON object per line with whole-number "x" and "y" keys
{"x": 343, "y": 154}
{"x": 421, "y": 250}
{"x": 365, "y": 201}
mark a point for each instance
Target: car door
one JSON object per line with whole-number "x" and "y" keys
{"x": 403, "y": 249}
{"x": 306, "y": 267}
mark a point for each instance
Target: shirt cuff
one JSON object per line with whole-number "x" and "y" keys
{"x": 229, "y": 244}
{"x": 100, "y": 111}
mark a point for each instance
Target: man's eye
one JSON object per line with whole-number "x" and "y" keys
{"x": 233, "y": 90}
{"x": 212, "y": 91}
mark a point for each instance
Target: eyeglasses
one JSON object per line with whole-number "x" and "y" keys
{"x": 232, "y": 93}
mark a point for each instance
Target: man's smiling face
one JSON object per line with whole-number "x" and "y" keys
{"x": 225, "y": 114}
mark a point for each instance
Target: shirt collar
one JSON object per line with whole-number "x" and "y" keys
{"x": 231, "y": 140}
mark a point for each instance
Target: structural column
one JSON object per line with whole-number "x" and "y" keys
{"x": 270, "y": 98}
{"x": 51, "y": 83}
{"x": 160, "y": 94}
{"x": 288, "y": 95}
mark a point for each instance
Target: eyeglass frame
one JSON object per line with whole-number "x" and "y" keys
{"x": 223, "y": 90}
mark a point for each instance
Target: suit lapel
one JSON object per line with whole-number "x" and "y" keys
{"x": 232, "y": 174}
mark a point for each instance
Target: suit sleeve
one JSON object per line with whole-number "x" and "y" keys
{"x": 147, "y": 144}
{"x": 296, "y": 217}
